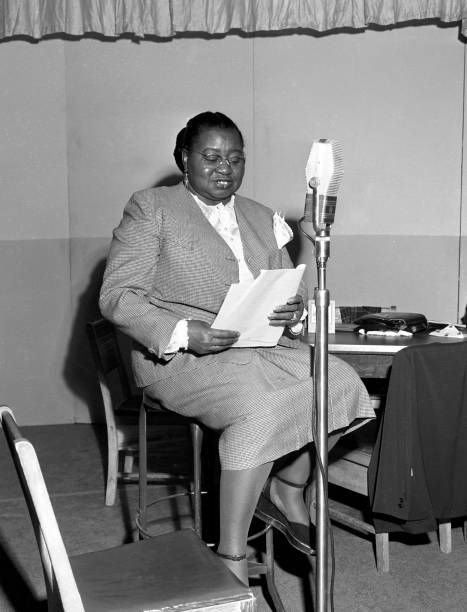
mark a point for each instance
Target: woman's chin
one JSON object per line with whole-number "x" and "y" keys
{"x": 222, "y": 193}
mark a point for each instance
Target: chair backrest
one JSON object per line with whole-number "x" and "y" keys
{"x": 111, "y": 372}
{"x": 60, "y": 582}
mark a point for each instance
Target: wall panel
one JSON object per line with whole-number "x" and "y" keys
{"x": 34, "y": 330}
{"x": 34, "y": 251}
{"x": 401, "y": 130}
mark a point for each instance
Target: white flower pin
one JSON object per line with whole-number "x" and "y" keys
{"x": 282, "y": 230}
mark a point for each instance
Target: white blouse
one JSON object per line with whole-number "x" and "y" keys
{"x": 223, "y": 219}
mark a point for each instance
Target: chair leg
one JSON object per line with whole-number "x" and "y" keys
{"x": 382, "y": 552}
{"x": 112, "y": 469}
{"x": 445, "y": 540}
{"x": 197, "y": 445}
{"x": 266, "y": 566}
{"x": 128, "y": 462}
{"x": 270, "y": 581}
{"x": 143, "y": 470}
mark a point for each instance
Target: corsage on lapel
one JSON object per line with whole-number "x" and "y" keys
{"x": 282, "y": 230}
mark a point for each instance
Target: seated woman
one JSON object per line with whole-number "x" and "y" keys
{"x": 172, "y": 259}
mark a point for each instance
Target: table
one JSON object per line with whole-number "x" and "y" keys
{"x": 371, "y": 356}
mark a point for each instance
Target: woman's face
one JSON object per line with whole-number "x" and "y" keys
{"x": 215, "y": 165}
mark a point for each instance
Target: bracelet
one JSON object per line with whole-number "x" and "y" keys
{"x": 298, "y": 329}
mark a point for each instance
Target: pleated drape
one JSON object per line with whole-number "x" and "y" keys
{"x": 38, "y": 18}
{"x": 166, "y": 18}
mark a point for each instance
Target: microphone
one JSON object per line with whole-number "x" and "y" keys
{"x": 324, "y": 172}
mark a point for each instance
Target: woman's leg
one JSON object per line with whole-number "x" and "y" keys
{"x": 239, "y": 494}
{"x": 289, "y": 499}
{"x": 297, "y": 470}
{"x": 333, "y": 439}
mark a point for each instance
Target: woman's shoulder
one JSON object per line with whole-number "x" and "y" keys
{"x": 159, "y": 195}
{"x": 161, "y": 201}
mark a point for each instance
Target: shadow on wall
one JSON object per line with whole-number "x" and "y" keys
{"x": 79, "y": 372}
{"x": 296, "y": 252}
{"x": 167, "y": 181}
{"x": 294, "y": 247}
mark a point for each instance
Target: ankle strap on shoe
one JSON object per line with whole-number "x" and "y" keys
{"x": 291, "y": 484}
{"x": 231, "y": 557}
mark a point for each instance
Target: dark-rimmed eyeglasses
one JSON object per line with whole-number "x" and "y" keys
{"x": 214, "y": 160}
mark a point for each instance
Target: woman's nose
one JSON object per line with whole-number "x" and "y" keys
{"x": 224, "y": 167}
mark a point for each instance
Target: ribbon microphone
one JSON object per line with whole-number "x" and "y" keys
{"x": 324, "y": 173}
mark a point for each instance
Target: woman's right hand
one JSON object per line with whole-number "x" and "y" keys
{"x": 203, "y": 339}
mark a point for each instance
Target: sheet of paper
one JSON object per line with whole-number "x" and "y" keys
{"x": 247, "y": 306}
{"x": 450, "y": 331}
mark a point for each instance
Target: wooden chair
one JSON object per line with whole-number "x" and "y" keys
{"x": 122, "y": 419}
{"x": 174, "y": 571}
{"x": 348, "y": 469}
{"x": 348, "y": 464}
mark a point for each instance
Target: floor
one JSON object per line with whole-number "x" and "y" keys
{"x": 421, "y": 578}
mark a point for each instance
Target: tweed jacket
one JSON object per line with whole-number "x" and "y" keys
{"x": 166, "y": 262}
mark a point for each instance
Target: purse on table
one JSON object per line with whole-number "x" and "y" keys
{"x": 392, "y": 321}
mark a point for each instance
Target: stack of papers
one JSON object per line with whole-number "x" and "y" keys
{"x": 386, "y": 332}
{"x": 450, "y": 331}
{"x": 247, "y": 306}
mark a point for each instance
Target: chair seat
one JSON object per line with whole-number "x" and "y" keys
{"x": 350, "y": 471}
{"x": 180, "y": 573}
{"x": 349, "y": 460}
{"x": 158, "y": 419}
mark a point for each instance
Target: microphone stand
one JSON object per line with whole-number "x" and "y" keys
{"x": 321, "y": 243}
{"x": 321, "y": 296}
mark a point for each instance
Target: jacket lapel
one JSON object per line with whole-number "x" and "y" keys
{"x": 249, "y": 232}
{"x": 205, "y": 236}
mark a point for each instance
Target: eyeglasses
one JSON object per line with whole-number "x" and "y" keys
{"x": 214, "y": 160}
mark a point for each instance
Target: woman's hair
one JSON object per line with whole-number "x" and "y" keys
{"x": 206, "y": 121}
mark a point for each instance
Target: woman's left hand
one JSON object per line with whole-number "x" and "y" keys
{"x": 289, "y": 314}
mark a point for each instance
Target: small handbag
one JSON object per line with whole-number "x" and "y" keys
{"x": 392, "y": 321}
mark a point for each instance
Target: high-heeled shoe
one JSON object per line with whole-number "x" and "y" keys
{"x": 301, "y": 537}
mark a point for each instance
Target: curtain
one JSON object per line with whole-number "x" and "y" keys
{"x": 38, "y": 18}
{"x": 220, "y": 16}
{"x": 166, "y": 18}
